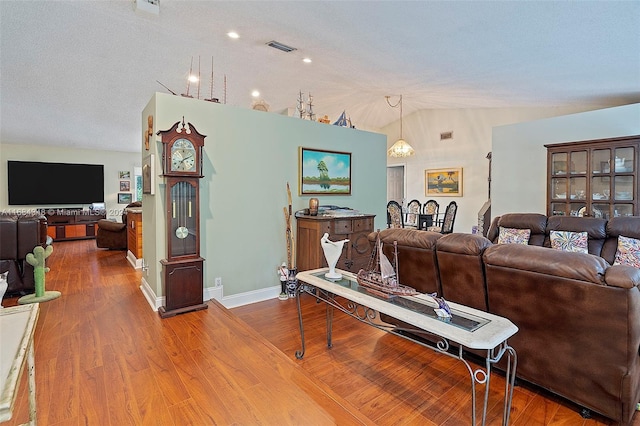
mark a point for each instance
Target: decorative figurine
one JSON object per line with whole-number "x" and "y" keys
{"x": 443, "y": 310}
{"x": 4, "y": 285}
{"x": 332, "y": 251}
{"x": 284, "y": 275}
{"x": 36, "y": 259}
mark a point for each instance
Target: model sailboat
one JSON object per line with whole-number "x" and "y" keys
{"x": 381, "y": 277}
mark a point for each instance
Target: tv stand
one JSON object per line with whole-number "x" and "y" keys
{"x": 72, "y": 224}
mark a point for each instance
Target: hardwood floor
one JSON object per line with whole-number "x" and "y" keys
{"x": 103, "y": 357}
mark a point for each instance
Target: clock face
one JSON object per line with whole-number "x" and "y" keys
{"x": 183, "y": 156}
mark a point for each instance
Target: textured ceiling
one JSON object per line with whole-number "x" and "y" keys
{"x": 79, "y": 73}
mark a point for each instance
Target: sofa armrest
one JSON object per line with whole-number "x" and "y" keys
{"x": 548, "y": 261}
{"x": 108, "y": 225}
{"x": 408, "y": 237}
{"x": 468, "y": 244}
{"x": 622, "y": 276}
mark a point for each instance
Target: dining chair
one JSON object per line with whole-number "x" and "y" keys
{"x": 412, "y": 214}
{"x": 445, "y": 225}
{"x": 394, "y": 215}
{"x": 429, "y": 215}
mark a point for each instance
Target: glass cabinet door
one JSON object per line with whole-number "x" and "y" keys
{"x": 601, "y": 161}
{"x": 578, "y": 162}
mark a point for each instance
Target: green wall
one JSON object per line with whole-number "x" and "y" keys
{"x": 249, "y": 156}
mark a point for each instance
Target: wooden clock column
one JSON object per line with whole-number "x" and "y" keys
{"x": 183, "y": 269}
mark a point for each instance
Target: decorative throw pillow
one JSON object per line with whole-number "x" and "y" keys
{"x": 513, "y": 236}
{"x": 628, "y": 252}
{"x": 569, "y": 241}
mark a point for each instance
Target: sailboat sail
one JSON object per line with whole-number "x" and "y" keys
{"x": 386, "y": 268}
{"x": 381, "y": 277}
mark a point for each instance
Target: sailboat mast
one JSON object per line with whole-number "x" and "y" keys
{"x": 395, "y": 261}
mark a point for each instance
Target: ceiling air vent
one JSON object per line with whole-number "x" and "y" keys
{"x": 280, "y": 46}
{"x": 446, "y": 135}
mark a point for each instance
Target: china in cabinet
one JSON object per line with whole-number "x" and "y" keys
{"x": 597, "y": 178}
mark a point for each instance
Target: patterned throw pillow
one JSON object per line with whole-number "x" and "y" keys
{"x": 569, "y": 241}
{"x": 513, "y": 236}
{"x": 628, "y": 252}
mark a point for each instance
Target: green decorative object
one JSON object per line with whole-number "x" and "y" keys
{"x": 37, "y": 260}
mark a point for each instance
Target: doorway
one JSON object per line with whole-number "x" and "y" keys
{"x": 396, "y": 184}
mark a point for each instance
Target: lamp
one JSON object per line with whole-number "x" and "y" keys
{"x": 401, "y": 148}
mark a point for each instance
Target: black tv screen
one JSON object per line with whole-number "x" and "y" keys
{"x": 39, "y": 183}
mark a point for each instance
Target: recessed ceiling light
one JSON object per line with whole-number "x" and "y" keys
{"x": 255, "y": 93}
{"x": 307, "y": 60}
{"x": 193, "y": 78}
{"x": 233, "y": 34}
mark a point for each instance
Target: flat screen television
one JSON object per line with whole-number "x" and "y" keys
{"x": 39, "y": 183}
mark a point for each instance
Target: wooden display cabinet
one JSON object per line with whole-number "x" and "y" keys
{"x": 355, "y": 254}
{"x": 597, "y": 178}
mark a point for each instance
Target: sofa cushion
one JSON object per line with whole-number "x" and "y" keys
{"x": 596, "y": 230}
{"x": 535, "y": 222}
{"x": 628, "y": 252}
{"x": 542, "y": 260}
{"x": 513, "y": 236}
{"x": 569, "y": 241}
{"x": 629, "y": 226}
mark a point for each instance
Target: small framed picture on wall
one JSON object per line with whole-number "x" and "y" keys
{"x": 124, "y": 174}
{"x": 124, "y": 198}
{"x": 125, "y": 185}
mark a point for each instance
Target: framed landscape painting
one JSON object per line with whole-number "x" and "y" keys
{"x": 124, "y": 198}
{"x": 324, "y": 172}
{"x": 443, "y": 182}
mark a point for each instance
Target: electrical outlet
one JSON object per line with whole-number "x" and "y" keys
{"x": 218, "y": 281}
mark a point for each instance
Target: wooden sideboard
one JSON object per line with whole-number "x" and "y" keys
{"x": 355, "y": 254}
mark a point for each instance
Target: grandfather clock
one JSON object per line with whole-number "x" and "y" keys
{"x": 182, "y": 270}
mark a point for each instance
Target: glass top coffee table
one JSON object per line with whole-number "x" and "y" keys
{"x": 467, "y": 328}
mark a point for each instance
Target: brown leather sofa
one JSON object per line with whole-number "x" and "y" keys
{"x": 19, "y": 235}
{"x": 578, "y": 316}
{"x": 113, "y": 235}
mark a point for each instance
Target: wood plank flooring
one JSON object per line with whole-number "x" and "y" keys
{"x": 103, "y": 357}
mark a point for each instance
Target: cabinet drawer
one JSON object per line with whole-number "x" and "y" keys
{"x": 365, "y": 224}
{"x": 342, "y": 226}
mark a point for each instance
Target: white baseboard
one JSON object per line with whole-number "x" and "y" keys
{"x": 253, "y": 296}
{"x": 216, "y": 293}
{"x": 154, "y": 301}
{"x": 134, "y": 261}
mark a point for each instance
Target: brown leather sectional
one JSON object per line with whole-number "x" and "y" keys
{"x": 19, "y": 235}
{"x": 578, "y": 316}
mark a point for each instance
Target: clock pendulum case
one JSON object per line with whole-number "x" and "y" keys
{"x": 182, "y": 270}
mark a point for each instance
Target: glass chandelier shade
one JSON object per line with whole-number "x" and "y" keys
{"x": 401, "y": 148}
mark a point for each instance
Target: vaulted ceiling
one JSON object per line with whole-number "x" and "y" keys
{"x": 79, "y": 73}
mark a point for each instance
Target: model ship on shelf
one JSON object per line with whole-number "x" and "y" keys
{"x": 381, "y": 277}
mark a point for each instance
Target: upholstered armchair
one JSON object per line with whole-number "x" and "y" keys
{"x": 113, "y": 235}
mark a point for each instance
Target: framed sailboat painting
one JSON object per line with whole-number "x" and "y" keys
{"x": 324, "y": 172}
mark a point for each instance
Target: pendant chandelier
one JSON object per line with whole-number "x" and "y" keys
{"x": 401, "y": 148}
